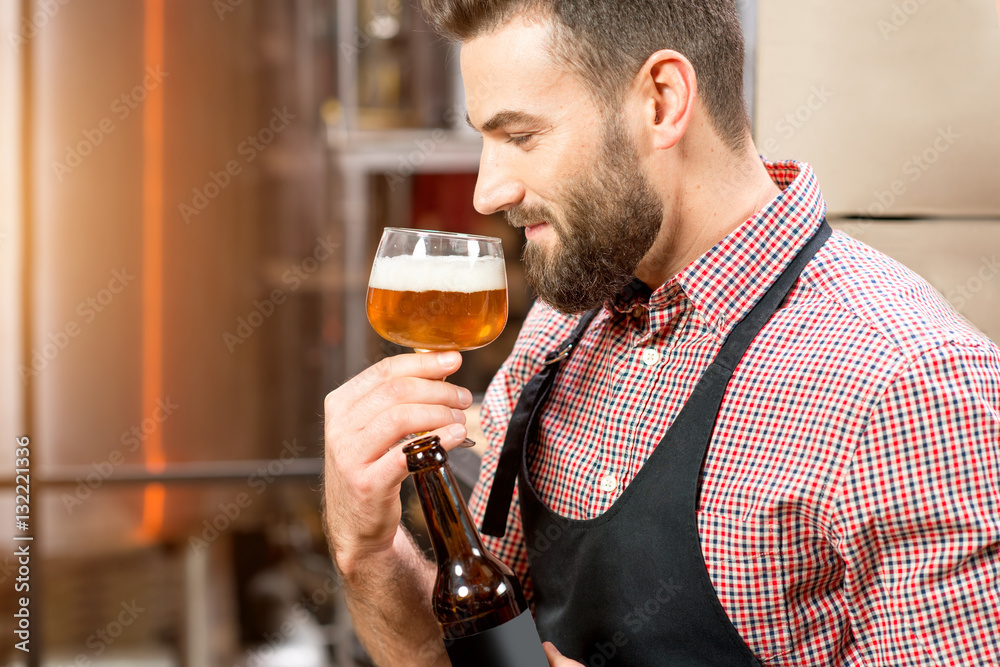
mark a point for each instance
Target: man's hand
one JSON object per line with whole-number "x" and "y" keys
{"x": 365, "y": 417}
{"x": 557, "y": 659}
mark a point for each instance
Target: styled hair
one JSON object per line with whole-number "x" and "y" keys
{"x": 606, "y": 42}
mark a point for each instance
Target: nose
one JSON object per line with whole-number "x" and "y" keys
{"x": 497, "y": 189}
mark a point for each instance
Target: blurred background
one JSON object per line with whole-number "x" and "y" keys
{"x": 191, "y": 193}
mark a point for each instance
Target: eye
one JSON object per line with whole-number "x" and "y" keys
{"x": 519, "y": 139}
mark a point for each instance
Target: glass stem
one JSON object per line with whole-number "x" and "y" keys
{"x": 468, "y": 442}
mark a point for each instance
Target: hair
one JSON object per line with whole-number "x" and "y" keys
{"x": 606, "y": 42}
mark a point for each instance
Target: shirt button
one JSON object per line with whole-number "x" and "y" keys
{"x": 650, "y": 356}
{"x": 636, "y": 312}
{"x": 609, "y": 483}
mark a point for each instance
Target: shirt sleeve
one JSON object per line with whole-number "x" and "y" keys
{"x": 918, "y": 515}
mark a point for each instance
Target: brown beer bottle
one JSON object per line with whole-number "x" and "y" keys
{"x": 478, "y": 601}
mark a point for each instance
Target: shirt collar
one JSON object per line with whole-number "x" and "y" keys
{"x": 727, "y": 281}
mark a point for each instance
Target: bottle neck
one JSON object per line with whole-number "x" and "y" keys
{"x": 452, "y": 530}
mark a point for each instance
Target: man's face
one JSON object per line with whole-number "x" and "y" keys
{"x": 557, "y": 168}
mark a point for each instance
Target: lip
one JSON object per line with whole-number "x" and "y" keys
{"x": 533, "y": 231}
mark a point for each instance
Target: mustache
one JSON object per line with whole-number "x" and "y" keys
{"x": 527, "y": 215}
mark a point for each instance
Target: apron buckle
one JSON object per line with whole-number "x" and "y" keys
{"x": 558, "y": 356}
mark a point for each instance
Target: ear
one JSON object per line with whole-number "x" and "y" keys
{"x": 668, "y": 88}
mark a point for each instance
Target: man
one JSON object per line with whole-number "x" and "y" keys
{"x": 765, "y": 444}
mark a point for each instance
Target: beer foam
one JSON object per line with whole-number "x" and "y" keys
{"x": 443, "y": 274}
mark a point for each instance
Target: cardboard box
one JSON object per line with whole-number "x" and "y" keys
{"x": 896, "y": 103}
{"x": 960, "y": 258}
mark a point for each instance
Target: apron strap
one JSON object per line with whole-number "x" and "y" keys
{"x": 522, "y": 421}
{"x": 744, "y": 333}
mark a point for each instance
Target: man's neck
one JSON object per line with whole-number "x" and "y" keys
{"x": 718, "y": 193}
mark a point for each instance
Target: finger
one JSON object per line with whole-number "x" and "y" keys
{"x": 553, "y": 654}
{"x": 429, "y": 365}
{"x": 409, "y": 390}
{"x": 451, "y": 435}
{"x": 400, "y": 420}
{"x": 389, "y": 469}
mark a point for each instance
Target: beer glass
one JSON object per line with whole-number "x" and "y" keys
{"x": 437, "y": 291}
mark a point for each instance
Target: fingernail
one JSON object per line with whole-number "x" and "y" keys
{"x": 464, "y": 396}
{"x": 458, "y": 415}
{"x": 449, "y": 359}
{"x": 456, "y": 431}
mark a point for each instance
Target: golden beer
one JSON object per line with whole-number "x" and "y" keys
{"x": 435, "y": 320}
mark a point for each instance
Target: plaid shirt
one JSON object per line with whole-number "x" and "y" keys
{"x": 849, "y": 511}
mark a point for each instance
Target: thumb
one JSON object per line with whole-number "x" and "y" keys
{"x": 556, "y": 659}
{"x": 551, "y": 652}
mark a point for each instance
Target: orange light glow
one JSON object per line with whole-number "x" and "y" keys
{"x": 152, "y": 264}
{"x": 153, "y": 500}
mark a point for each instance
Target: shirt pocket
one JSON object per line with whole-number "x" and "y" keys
{"x": 744, "y": 561}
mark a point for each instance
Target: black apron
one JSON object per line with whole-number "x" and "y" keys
{"x": 630, "y": 588}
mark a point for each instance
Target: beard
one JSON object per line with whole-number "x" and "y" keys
{"x": 612, "y": 217}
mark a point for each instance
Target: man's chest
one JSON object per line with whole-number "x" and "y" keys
{"x": 786, "y": 429}
{"x": 788, "y": 421}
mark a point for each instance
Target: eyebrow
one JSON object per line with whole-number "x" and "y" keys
{"x": 504, "y": 118}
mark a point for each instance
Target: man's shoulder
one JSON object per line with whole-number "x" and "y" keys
{"x": 544, "y": 330}
{"x": 886, "y": 303}
{"x": 545, "y": 325}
